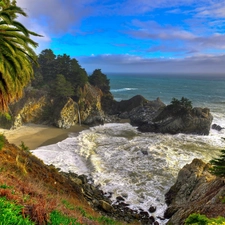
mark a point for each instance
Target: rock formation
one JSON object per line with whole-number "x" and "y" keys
{"x": 41, "y": 108}
{"x": 195, "y": 191}
{"x": 168, "y": 119}
{"x": 94, "y": 107}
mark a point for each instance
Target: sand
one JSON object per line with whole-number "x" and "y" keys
{"x": 34, "y": 135}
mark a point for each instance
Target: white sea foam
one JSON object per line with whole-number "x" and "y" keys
{"x": 123, "y": 89}
{"x": 122, "y": 160}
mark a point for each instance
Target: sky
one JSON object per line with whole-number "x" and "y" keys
{"x": 132, "y": 36}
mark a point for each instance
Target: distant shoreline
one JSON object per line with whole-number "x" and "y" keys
{"x": 34, "y": 135}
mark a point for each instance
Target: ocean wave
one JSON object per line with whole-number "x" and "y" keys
{"x": 123, "y": 89}
{"x": 122, "y": 160}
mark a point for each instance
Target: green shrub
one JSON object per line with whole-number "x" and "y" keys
{"x": 4, "y": 186}
{"x": 24, "y": 147}
{"x": 198, "y": 219}
{"x": 2, "y": 141}
{"x": 182, "y": 103}
{"x": 57, "y": 218}
{"x": 11, "y": 214}
{"x": 106, "y": 220}
{"x": 218, "y": 164}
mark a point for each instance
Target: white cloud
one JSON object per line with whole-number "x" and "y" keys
{"x": 207, "y": 64}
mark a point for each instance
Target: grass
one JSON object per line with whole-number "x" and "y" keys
{"x": 39, "y": 194}
{"x": 198, "y": 219}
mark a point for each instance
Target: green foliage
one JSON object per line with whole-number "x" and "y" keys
{"x": 99, "y": 80}
{"x": 57, "y": 218}
{"x": 51, "y": 66}
{"x": 11, "y": 214}
{"x": 2, "y": 141}
{"x": 4, "y": 186}
{"x": 218, "y": 164}
{"x": 68, "y": 205}
{"x": 61, "y": 87}
{"x": 106, "y": 220}
{"x": 82, "y": 211}
{"x": 16, "y": 54}
{"x": 6, "y": 115}
{"x": 182, "y": 103}
{"x": 198, "y": 219}
{"x": 24, "y": 147}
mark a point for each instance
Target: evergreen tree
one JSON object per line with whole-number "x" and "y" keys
{"x": 16, "y": 54}
{"x": 218, "y": 168}
{"x": 61, "y": 87}
{"x": 99, "y": 80}
{"x": 47, "y": 66}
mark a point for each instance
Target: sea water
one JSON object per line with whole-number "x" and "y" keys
{"x": 142, "y": 166}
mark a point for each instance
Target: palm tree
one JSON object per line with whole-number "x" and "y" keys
{"x": 16, "y": 55}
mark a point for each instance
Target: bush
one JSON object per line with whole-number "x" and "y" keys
{"x": 182, "y": 103}
{"x": 11, "y": 214}
{"x": 2, "y": 141}
{"x": 218, "y": 168}
{"x": 24, "y": 147}
{"x": 99, "y": 80}
{"x": 198, "y": 219}
{"x": 57, "y": 218}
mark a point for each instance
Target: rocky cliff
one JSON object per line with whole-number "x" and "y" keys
{"x": 195, "y": 191}
{"x": 95, "y": 107}
{"x": 40, "y": 108}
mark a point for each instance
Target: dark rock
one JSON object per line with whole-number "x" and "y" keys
{"x": 145, "y": 113}
{"x": 152, "y": 209}
{"x": 125, "y": 106}
{"x": 144, "y": 152}
{"x": 152, "y": 219}
{"x": 144, "y": 214}
{"x": 120, "y": 199}
{"x": 217, "y": 127}
{"x": 167, "y": 119}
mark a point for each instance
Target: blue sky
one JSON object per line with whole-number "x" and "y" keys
{"x": 153, "y": 36}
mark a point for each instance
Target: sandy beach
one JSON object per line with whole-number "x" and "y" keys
{"x": 34, "y": 135}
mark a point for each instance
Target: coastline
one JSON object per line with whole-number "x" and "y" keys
{"x": 35, "y": 135}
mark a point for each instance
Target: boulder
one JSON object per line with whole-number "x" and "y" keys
{"x": 217, "y": 127}
{"x": 146, "y": 112}
{"x": 168, "y": 119}
{"x": 195, "y": 191}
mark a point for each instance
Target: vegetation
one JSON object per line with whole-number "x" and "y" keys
{"x": 99, "y": 80}
{"x": 218, "y": 168}
{"x": 198, "y": 219}
{"x": 46, "y": 197}
{"x": 182, "y": 103}
{"x": 24, "y": 147}
{"x": 2, "y": 141}
{"x": 62, "y": 87}
{"x": 60, "y": 75}
{"x": 11, "y": 213}
{"x": 16, "y": 54}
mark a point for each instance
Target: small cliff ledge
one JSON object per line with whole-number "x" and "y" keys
{"x": 195, "y": 191}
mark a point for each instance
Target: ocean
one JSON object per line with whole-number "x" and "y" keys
{"x": 142, "y": 166}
